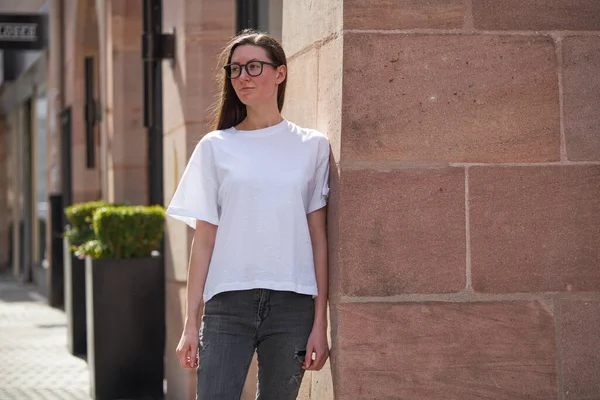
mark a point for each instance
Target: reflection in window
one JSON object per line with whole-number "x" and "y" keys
{"x": 41, "y": 192}
{"x": 264, "y": 15}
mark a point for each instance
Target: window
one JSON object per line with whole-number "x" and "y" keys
{"x": 264, "y": 15}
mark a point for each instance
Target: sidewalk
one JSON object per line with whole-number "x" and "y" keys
{"x": 34, "y": 361}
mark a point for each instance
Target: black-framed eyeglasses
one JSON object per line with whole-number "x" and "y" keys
{"x": 253, "y": 68}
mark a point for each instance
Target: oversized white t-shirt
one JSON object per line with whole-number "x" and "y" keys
{"x": 258, "y": 186}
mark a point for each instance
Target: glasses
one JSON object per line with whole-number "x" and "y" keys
{"x": 253, "y": 68}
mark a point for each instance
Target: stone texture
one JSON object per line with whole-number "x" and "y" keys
{"x": 177, "y": 235}
{"x": 301, "y": 90}
{"x": 402, "y": 232}
{"x": 128, "y": 141}
{"x": 321, "y": 387}
{"x": 189, "y": 89}
{"x": 304, "y": 392}
{"x": 127, "y": 23}
{"x": 535, "y": 229}
{"x": 333, "y": 231}
{"x": 581, "y": 97}
{"x": 580, "y": 349}
{"x": 329, "y": 110}
{"x": 325, "y": 19}
{"x": 83, "y": 179}
{"x": 404, "y": 14}
{"x": 457, "y": 98}
{"x": 181, "y": 383}
{"x": 199, "y": 88}
{"x": 206, "y": 21}
{"x": 178, "y": 238}
{"x": 500, "y": 351}
{"x": 536, "y": 15}
{"x": 131, "y": 185}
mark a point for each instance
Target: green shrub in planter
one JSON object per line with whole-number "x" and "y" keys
{"x": 79, "y": 232}
{"x": 80, "y": 218}
{"x": 126, "y": 232}
{"x": 125, "y": 303}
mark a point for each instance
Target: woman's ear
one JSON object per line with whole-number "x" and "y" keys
{"x": 281, "y": 74}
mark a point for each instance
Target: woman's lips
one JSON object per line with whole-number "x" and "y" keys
{"x": 247, "y": 89}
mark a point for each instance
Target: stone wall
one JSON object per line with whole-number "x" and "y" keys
{"x": 81, "y": 40}
{"x": 127, "y": 144}
{"x": 464, "y": 221}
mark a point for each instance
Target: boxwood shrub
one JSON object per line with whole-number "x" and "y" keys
{"x": 81, "y": 224}
{"x": 126, "y": 232}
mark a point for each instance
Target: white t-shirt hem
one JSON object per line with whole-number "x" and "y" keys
{"x": 317, "y": 206}
{"x": 310, "y": 290}
{"x": 189, "y": 216}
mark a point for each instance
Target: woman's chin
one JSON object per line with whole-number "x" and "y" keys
{"x": 249, "y": 101}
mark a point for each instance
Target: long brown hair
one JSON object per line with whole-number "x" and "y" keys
{"x": 229, "y": 110}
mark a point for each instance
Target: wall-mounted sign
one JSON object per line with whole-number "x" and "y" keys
{"x": 23, "y": 31}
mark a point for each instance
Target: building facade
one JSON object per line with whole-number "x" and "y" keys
{"x": 23, "y": 143}
{"x": 464, "y": 216}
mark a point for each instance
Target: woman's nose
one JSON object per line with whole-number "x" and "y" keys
{"x": 244, "y": 74}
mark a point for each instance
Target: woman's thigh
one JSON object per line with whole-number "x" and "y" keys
{"x": 227, "y": 344}
{"x": 282, "y": 345}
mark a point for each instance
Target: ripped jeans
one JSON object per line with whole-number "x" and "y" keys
{"x": 275, "y": 324}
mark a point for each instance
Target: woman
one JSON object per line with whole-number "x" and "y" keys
{"x": 255, "y": 191}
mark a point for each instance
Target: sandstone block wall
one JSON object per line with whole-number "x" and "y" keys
{"x": 464, "y": 220}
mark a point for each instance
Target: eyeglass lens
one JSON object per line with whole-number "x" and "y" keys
{"x": 253, "y": 68}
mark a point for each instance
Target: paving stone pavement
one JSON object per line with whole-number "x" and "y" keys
{"x": 34, "y": 361}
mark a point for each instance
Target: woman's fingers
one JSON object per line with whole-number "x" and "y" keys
{"x": 321, "y": 356}
{"x": 308, "y": 357}
{"x": 193, "y": 356}
{"x": 182, "y": 351}
{"x": 321, "y": 359}
{"x": 188, "y": 355}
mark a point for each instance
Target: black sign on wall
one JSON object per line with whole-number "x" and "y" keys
{"x": 23, "y": 31}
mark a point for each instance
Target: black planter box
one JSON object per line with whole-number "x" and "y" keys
{"x": 74, "y": 287}
{"x": 125, "y": 327}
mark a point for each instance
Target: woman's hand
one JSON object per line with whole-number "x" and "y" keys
{"x": 317, "y": 343}
{"x": 187, "y": 349}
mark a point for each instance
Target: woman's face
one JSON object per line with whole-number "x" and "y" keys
{"x": 256, "y": 87}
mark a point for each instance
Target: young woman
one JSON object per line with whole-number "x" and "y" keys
{"x": 255, "y": 191}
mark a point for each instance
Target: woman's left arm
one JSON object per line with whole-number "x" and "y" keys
{"x": 317, "y": 341}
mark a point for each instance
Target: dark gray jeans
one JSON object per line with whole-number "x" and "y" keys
{"x": 276, "y": 324}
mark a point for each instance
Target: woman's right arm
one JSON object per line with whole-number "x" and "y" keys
{"x": 202, "y": 247}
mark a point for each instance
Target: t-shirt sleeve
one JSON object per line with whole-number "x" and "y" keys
{"x": 196, "y": 196}
{"x": 320, "y": 189}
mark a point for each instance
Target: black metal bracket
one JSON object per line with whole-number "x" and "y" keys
{"x": 158, "y": 46}
{"x": 91, "y": 114}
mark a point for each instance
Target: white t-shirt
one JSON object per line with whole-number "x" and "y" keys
{"x": 258, "y": 186}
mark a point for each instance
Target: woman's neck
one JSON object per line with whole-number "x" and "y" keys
{"x": 260, "y": 117}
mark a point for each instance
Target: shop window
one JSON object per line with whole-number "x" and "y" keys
{"x": 264, "y": 15}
